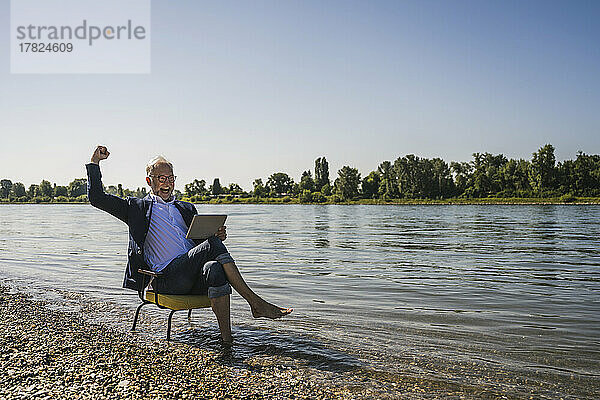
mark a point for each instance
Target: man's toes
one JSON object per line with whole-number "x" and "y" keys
{"x": 272, "y": 312}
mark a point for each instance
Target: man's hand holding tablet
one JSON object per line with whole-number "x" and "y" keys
{"x": 204, "y": 226}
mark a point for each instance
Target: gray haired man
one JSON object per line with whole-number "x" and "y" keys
{"x": 157, "y": 228}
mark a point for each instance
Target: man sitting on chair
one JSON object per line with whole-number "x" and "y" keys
{"x": 157, "y": 228}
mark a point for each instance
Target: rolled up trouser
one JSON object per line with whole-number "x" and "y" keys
{"x": 199, "y": 271}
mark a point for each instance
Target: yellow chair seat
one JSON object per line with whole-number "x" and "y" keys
{"x": 179, "y": 301}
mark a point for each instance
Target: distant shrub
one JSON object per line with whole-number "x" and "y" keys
{"x": 61, "y": 199}
{"x": 549, "y": 193}
{"x": 387, "y": 196}
{"x": 286, "y": 199}
{"x": 306, "y": 196}
{"x": 504, "y": 193}
{"x": 567, "y": 198}
{"x": 524, "y": 193}
{"x": 336, "y": 198}
{"x": 318, "y": 197}
{"x": 326, "y": 190}
{"x": 42, "y": 199}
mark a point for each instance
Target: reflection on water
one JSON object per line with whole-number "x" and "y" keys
{"x": 502, "y": 297}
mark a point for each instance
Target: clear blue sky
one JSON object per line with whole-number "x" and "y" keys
{"x": 240, "y": 90}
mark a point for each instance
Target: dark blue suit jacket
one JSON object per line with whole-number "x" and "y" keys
{"x": 136, "y": 214}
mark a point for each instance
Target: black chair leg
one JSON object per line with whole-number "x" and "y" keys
{"x": 190, "y": 314}
{"x": 137, "y": 314}
{"x": 169, "y": 325}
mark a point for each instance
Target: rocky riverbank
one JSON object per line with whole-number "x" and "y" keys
{"x": 50, "y": 354}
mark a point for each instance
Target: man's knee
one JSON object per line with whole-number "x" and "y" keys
{"x": 216, "y": 280}
{"x": 214, "y": 273}
{"x": 215, "y": 243}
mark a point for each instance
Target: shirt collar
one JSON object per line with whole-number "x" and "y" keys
{"x": 159, "y": 199}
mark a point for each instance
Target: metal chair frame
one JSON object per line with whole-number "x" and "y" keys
{"x": 154, "y": 275}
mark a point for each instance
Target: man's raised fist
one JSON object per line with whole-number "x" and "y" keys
{"x": 101, "y": 153}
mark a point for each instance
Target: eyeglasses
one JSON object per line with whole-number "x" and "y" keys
{"x": 164, "y": 178}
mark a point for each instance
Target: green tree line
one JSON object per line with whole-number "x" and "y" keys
{"x": 46, "y": 192}
{"x": 408, "y": 177}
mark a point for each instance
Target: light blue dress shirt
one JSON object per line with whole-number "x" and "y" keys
{"x": 166, "y": 236}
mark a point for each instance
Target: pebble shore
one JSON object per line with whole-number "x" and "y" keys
{"x": 51, "y": 354}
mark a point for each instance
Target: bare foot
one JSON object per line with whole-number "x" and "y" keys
{"x": 268, "y": 310}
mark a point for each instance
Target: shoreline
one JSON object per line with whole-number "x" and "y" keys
{"x": 404, "y": 202}
{"x": 48, "y": 354}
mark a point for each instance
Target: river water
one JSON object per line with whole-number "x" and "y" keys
{"x": 487, "y": 300}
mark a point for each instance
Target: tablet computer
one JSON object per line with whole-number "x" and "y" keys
{"x": 204, "y": 226}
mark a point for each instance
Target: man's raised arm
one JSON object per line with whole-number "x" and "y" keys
{"x": 96, "y": 195}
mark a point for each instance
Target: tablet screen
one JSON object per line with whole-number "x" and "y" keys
{"x": 204, "y": 226}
